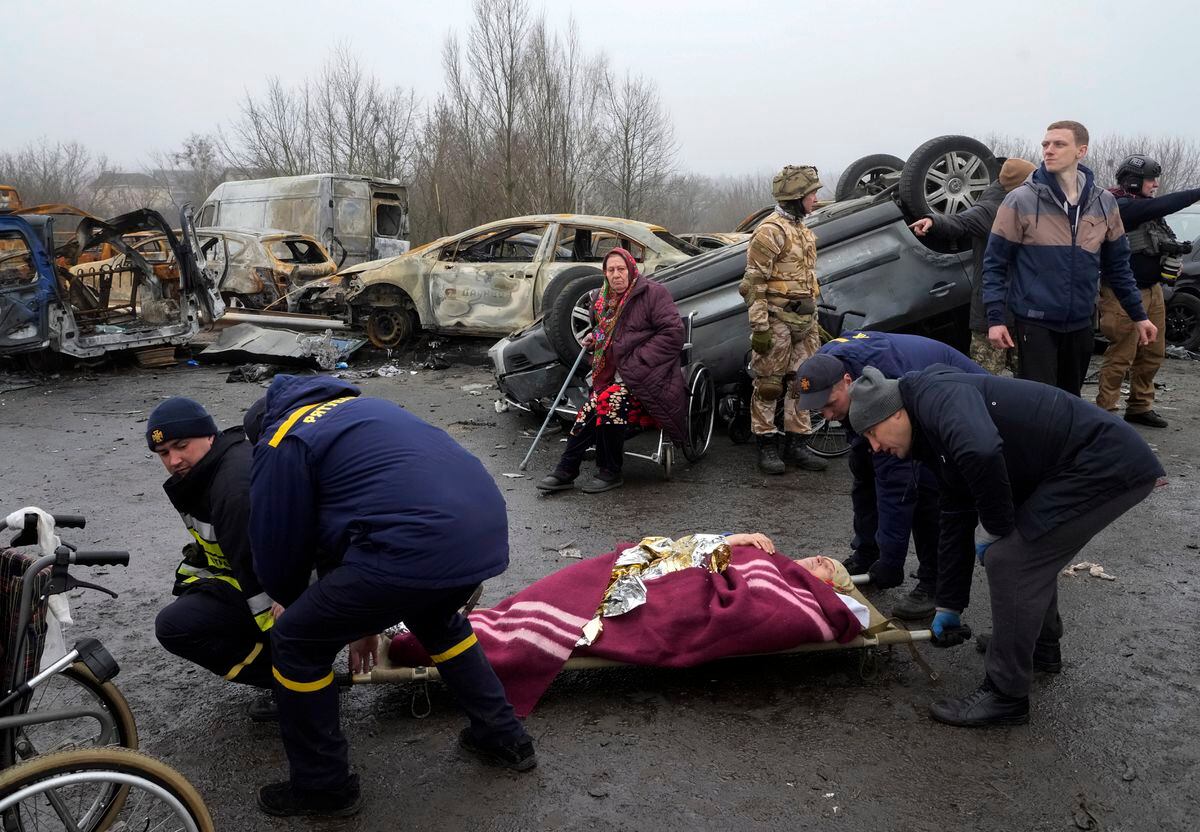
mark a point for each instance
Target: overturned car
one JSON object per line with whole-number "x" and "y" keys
{"x": 93, "y": 292}
{"x": 873, "y": 272}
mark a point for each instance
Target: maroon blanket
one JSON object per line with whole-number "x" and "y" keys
{"x": 761, "y": 604}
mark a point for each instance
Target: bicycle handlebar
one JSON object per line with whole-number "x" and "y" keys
{"x": 70, "y": 521}
{"x": 101, "y": 558}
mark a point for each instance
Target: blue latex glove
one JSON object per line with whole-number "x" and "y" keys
{"x": 983, "y": 540}
{"x": 943, "y": 620}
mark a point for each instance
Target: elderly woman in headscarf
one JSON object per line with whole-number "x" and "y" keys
{"x": 636, "y": 377}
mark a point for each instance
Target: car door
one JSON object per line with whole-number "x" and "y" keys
{"x": 389, "y": 211}
{"x": 199, "y": 282}
{"x": 27, "y": 287}
{"x": 483, "y": 282}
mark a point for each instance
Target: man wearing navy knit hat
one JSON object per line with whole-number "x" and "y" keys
{"x": 222, "y": 618}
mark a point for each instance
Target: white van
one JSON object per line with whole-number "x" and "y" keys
{"x": 356, "y": 218}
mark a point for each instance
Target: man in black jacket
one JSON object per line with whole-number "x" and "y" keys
{"x": 222, "y": 618}
{"x": 976, "y": 223}
{"x": 1029, "y": 474}
{"x": 1154, "y": 257}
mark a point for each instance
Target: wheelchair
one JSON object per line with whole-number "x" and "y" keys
{"x": 700, "y": 419}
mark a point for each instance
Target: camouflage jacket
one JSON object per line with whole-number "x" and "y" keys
{"x": 780, "y": 268}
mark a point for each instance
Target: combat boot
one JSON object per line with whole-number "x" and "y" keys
{"x": 768, "y": 454}
{"x": 796, "y": 452}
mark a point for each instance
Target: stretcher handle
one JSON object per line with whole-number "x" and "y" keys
{"x": 100, "y": 558}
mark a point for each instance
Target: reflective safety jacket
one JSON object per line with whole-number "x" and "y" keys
{"x": 213, "y": 499}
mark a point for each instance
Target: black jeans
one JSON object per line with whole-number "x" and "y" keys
{"x": 211, "y": 626}
{"x": 1059, "y": 359}
{"x": 610, "y": 446}
{"x": 909, "y": 500}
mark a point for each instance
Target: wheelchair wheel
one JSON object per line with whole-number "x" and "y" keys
{"x": 58, "y": 791}
{"x": 668, "y": 459}
{"x": 828, "y": 439}
{"x": 701, "y": 413}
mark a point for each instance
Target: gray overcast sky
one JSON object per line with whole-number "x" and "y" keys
{"x": 750, "y": 85}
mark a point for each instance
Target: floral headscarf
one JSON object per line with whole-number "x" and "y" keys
{"x": 608, "y": 309}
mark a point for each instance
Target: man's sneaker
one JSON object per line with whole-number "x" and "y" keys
{"x": 917, "y": 604}
{"x": 280, "y": 800}
{"x": 263, "y": 709}
{"x": 984, "y": 708}
{"x": 1047, "y": 658}
{"x": 600, "y": 483}
{"x": 886, "y": 575}
{"x": 859, "y": 563}
{"x": 1147, "y": 417}
{"x": 518, "y": 756}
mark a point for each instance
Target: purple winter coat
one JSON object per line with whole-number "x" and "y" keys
{"x": 647, "y": 344}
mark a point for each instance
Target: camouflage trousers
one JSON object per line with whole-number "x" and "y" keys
{"x": 789, "y": 349}
{"x": 987, "y": 356}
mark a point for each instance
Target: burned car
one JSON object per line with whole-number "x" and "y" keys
{"x": 107, "y": 306}
{"x": 263, "y": 269}
{"x": 490, "y": 280}
{"x": 708, "y": 240}
{"x": 874, "y": 273}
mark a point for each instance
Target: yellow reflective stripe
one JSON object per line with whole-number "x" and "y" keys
{"x": 287, "y": 425}
{"x": 237, "y": 668}
{"x": 210, "y": 577}
{"x": 464, "y": 645}
{"x": 303, "y": 687}
{"x": 265, "y": 620}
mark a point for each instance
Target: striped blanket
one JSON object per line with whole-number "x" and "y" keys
{"x": 761, "y": 604}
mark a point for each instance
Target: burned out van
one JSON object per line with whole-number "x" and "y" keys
{"x": 356, "y": 218}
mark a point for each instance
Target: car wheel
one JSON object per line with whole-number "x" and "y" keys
{"x": 1183, "y": 321}
{"x": 390, "y": 326}
{"x": 866, "y": 176}
{"x": 946, "y": 175}
{"x": 567, "y": 318}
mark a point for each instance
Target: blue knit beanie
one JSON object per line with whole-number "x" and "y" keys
{"x": 178, "y": 418}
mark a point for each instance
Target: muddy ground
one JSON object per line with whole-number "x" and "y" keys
{"x": 788, "y": 743}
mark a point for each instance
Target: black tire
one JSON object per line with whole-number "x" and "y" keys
{"x": 828, "y": 439}
{"x": 389, "y": 327}
{"x": 1183, "y": 321}
{"x": 60, "y": 774}
{"x": 946, "y": 175}
{"x": 863, "y": 177}
{"x": 701, "y": 413}
{"x": 565, "y": 315}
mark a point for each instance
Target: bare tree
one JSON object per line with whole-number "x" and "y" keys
{"x": 53, "y": 172}
{"x": 640, "y": 150}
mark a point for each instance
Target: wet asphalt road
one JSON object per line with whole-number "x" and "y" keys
{"x": 789, "y": 743}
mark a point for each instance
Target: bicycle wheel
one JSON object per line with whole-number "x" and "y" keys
{"x": 57, "y": 791}
{"x": 74, "y": 689}
{"x": 828, "y": 439}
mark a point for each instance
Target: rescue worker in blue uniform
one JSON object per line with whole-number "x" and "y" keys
{"x": 402, "y": 524}
{"x": 222, "y": 618}
{"x": 892, "y": 498}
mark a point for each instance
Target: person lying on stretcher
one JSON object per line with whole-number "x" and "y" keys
{"x": 663, "y": 602}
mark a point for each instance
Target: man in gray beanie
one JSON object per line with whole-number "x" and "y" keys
{"x": 1028, "y": 474}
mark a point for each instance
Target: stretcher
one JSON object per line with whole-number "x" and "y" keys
{"x": 880, "y": 632}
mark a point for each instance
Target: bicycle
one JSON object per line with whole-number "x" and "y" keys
{"x": 87, "y": 781}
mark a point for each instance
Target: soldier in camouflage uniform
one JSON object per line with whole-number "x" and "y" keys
{"x": 780, "y": 287}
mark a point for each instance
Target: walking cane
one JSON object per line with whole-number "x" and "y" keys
{"x": 550, "y": 415}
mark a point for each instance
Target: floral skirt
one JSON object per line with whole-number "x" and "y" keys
{"x": 614, "y": 405}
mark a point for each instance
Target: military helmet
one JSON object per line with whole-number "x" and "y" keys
{"x": 1135, "y": 170}
{"x": 795, "y": 182}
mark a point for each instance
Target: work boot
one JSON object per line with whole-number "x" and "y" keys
{"x": 983, "y": 708}
{"x": 1147, "y": 417}
{"x": 1047, "y": 658}
{"x": 263, "y": 709}
{"x": 518, "y": 756}
{"x": 917, "y": 604}
{"x": 796, "y": 452}
{"x": 768, "y": 454}
{"x": 558, "y": 481}
{"x": 885, "y": 575}
{"x": 859, "y": 563}
{"x": 280, "y": 800}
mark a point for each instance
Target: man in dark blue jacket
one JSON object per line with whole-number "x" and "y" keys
{"x": 892, "y": 498}
{"x": 402, "y": 524}
{"x": 1043, "y": 471}
{"x": 1155, "y": 260}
